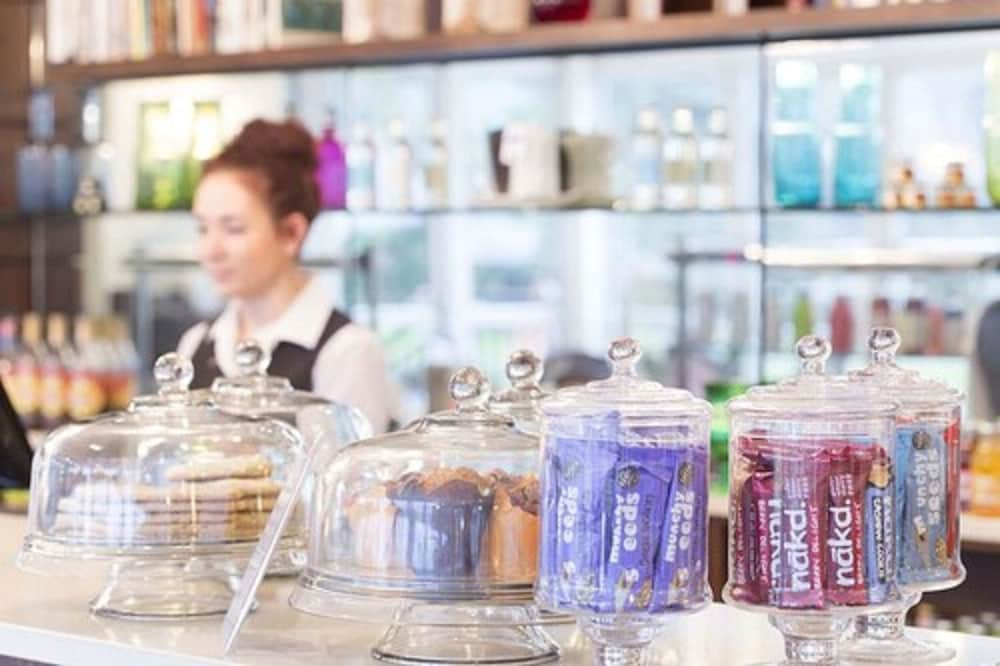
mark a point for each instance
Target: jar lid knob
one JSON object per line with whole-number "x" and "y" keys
{"x": 173, "y": 373}
{"x": 884, "y": 342}
{"x": 813, "y": 353}
{"x": 524, "y": 369}
{"x": 470, "y": 389}
{"x": 251, "y": 358}
{"x": 624, "y": 354}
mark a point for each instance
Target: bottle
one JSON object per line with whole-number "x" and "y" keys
{"x": 857, "y": 137}
{"x": 913, "y": 327}
{"x": 25, "y": 375}
{"x": 458, "y": 17}
{"x": 123, "y": 367}
{"x": 794, "y": 137}
{"x": 546, "y": 11}
{"x": 56, "y": 359}
{"x": 360, "y": 170}
{"x": 331, "y": 174}
{"x": 680, "y": 162}
{"x": 87, "y": 392}
{"x": 34, "y": 167}
{"x": 8, "y": 354}
{"x": 647, "y": 161}
{"x": 394, "y": 159}
{"x": 400, "y": 19}
{"x": 95, "y": 161}
{"x": 435, "y": 169}
{"x": 991, "y": 125}
{"x": 985, "y": 470}
{"x": 715, "y": 151}
{"x": 841, "y": 326}
{"x": 881, "y": 313}
{"x": 802, "y": 316}
{"x": 358, "y": 19}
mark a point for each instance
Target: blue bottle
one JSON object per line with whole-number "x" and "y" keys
{"x": 794, "y": 136}
{"x": 858, "y": 170}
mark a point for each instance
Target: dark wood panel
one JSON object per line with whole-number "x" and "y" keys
{"x": 677, "y": 30}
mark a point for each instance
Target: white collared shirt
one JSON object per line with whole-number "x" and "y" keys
{"x": 350, "y": 368}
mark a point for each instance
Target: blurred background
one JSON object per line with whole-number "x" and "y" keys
{"x": 715, "y": 178}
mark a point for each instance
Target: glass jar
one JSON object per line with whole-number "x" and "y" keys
{"x": 927, "y": 502}
{"x": 624, "y": 507}
{"x": 170, "y": 496}
{"x": 437, "y": 527}
{"x": 811, "y": 525}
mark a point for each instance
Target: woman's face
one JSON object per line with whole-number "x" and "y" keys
{"x": 240, "y": 245}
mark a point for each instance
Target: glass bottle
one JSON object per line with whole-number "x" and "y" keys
{"x": 991, "y": 125}
{"x": 331, "y": 174}
{"x": 401, "y": 19}
{"x": 647, "y": 161}
{"x": 55, "y": 362}
{"x": 122, "y": 371}
{"x": 34, "y": 169}
{"x": 794, "y": 136}
{"x": 95, "y": 160}
{"x": 86, "y": 394}
{"x": 547, "y": 11}
{"x": 858, "y": 170}
{"x": 8, "y": 355}
{"x": 358, "y": 21}
{"x": 645, "y": 10}
{"x": 360, "y": 170}
{"x": 715, "y": 151}
{"x": 802, "y": 316}
{"x": 25, "y": 370}
{"x": 985, "y": 471}
{"x": 395, "y": 158}
{"x": 435, "y": 170}
{"x": 841, "y": 326}
{"x": 680, "y": 162}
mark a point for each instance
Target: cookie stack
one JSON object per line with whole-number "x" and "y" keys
{"x": 206, "y": 500}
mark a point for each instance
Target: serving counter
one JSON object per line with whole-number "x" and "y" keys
{"x": 46, "y": 620}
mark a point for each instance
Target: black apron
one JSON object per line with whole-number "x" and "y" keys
{"x": 288, "y": 360}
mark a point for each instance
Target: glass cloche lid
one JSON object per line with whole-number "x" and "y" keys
{"x": 255, "y": 393}
{"x": 445, "y": 510}
{"x": 172, "y": 476}
{"x": 520, "y": 401}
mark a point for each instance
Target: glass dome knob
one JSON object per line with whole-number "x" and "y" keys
{"x": 884, "y": 342}
{"x": 252, "y": 358}
{"x": 173, "y": 373}
{"x": 524, "y": 369}
{"x": 813, "y": 353}
{"x": 470, "y": 389}
{"x": 624, "y": 354}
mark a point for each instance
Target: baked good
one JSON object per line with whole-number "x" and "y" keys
{"x": 511, "y": 552}
{"x": 254, "y": 466}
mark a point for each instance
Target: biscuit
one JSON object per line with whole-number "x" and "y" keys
{"x": 239, "y": 527}
{"x": 73, "y": 506}
{"x": 209, "y": 469}
{"x": 221, "y": 490}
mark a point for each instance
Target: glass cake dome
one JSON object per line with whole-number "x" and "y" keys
{"x": 521, "y": 401}
{"x": 436, "y": 526}
{"x": 170, "y": 497}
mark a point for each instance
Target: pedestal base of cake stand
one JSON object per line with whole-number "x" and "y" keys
{"x": 164, "y": 591}
{"x": 880, "y": 638}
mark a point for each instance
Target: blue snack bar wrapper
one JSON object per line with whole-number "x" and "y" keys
{"x": 922, "y": 505}
{"x": 880, "y": 537}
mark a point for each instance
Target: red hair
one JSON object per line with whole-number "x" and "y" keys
{"x": 280, "y": 159}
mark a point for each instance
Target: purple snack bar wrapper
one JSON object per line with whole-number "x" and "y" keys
{"x": 576, "y": 470}
{"x": 681, "y": 565}
{"x": 638, "y": 493}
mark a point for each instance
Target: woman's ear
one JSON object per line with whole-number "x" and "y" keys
{"x": 292, "y": 232}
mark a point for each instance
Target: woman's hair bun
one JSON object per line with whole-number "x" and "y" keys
{"x": 283, "y": 155}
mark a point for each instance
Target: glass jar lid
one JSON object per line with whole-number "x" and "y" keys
{"x": 910, "y": 388}
{"x": 520, "y": 401}
{"x": 813, "y": 391}
{"x": 624, "y": 391}
{"x": 253, "y": 387}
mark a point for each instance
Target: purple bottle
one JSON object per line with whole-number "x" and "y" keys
{"x": 331, "y": 174}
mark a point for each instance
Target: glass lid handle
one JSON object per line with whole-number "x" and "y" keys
{"x": 252, "y": 358}
{"x": 624, "y": 354}
{"x": 173, "y": 374}
{"x": 883, "y": 342}
{"x": 470, "y": 389}
{"x": 524, "y": 369}
{"x": 813, "y": 352}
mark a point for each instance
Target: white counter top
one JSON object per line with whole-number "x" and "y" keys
{"x": 46, "y": 619}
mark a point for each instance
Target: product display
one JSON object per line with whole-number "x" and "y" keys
{"x": 435, "y": 168}
{"x": 331, "y": 172}
{"x": 168, "y": 498}
{"x": 795, "y": 143}
{"x": 680, "y": 162}
{"x": 811, "y": 518}
{"x": 903, "y": 190}
{"x": 926, "y": 501}
{"x": 715, "y": 155}
{"x": 858, "y": 170}
{"x": 646, "y": 161}
{"x": 953, "y": 191}
{"x": 624, "y": 506}
{"x": 394, "y": 163}
{"x": 435, "y": 526}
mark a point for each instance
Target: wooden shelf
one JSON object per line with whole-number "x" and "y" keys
{"x": 676, "y": 31}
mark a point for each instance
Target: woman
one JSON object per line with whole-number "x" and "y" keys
{"x": 253, "y": 207}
